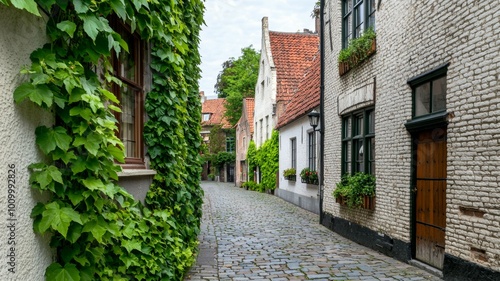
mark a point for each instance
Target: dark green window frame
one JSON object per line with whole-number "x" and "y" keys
{"x": 429, "y": 81}
{"x": 293, "y": 150}
{"x": 312, "y": 150}
{"x": 358, "y": 142}
{"x": 357, "y": 16}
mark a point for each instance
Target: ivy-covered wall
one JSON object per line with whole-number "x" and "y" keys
{"x": 97, "y": 230}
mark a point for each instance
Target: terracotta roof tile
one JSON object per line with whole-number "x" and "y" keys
{"x": 250, "y": 103}
{"x": 292, "y": 54}
{"x": 216, "y": 109}
{"x": 307, "y": 95}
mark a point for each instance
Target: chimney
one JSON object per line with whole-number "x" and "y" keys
{"x": 317, "y": 19}
{"x": 202, "y": 96}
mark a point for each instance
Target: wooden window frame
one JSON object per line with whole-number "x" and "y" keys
{"x": 137, "y": 160}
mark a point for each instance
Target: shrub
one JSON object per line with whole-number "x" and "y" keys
{"x": 353, "y": 187}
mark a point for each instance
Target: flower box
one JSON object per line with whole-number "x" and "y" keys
{"x": 368, "y": 203}
{"x": 291, "y": 177}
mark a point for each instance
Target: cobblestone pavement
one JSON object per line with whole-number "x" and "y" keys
{"x": 246, "y": 235}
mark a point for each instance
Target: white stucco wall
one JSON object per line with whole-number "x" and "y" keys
{"x": 299, "y": 129}
{"x": 265, "y": 90}
{"x": 20, "y": 34}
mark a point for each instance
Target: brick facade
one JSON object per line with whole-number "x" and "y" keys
{"x": 414, "y": 37}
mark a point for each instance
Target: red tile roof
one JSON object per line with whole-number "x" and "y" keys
{"x": 250, "y": 103}
{"x": 216, "y": 109}
{"x": 292, "y": 54}
{"x": 307, "y": 95}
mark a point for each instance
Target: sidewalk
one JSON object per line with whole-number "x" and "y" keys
{"x": 246, "y": 235}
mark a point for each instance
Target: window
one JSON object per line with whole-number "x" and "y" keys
{"x": 430, "y": 97}
{"x": 293, "y": 146}
{"x": 206, "y": 116}
{"x": 358, "y": 142}
{"x": 260, "y": 132}
{"x": 267, "y": 127}
{"x": 312, "y": 150}
{"x": 128, "y": 68}
{"x": 357, "y": 15}
{"x": 229, "y": 144}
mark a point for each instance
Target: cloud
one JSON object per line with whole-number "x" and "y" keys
{"x": 235, "y": 24}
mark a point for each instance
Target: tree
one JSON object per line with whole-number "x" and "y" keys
{"x": 237, "y": 81}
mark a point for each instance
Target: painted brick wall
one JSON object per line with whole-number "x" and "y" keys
{"x": 414, "y": 37}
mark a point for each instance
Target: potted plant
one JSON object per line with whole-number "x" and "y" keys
{"x": 290, "y": 174}
{"x": 309, "y": 176}
{"x": 359, "y": 50}
{"x": 356, "y": 191}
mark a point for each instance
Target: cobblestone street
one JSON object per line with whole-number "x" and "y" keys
{"x": 246, "y": 235}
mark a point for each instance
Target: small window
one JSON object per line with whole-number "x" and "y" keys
{"x": 358, "y": 142}
{"x": 128, "y": 68}
{"x": 293, "y": 150}
{"x": 206, "y": 116}
{"x": 312, "y": 151}
{"x": 357, "y": 15}
{"x": 429, "y": 96}
{"x": 229, "y": 144}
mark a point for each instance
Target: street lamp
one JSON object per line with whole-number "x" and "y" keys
{"x": 313, "y": 119}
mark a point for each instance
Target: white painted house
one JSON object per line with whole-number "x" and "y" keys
{"x": 299, "y": 143}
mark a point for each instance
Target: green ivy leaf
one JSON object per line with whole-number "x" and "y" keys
{"x": 68, "y": 27}
{"x": 93, "y": 183}
{"x": 28, "y": 5}
{"x": 91, "y": 25}
{"x": 47, "y": 139}
{"x": 97, "y": 227}
{"x": 131, "y": 245}
{"x": 119, "y": 7}
{"x": 36, "y": 93}
{"x": 55, "y": 272}
{"x": 117, "y": 153}
{"x": 58, "y": 218}
{"x": 81, "y": 6}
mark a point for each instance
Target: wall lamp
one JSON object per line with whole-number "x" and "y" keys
{"x": 314, "y": 119}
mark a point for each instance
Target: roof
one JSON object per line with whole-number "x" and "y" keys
{"x": 292, "y": 54}
{"x": 250, "y": 105}
{"x": 307, "y": 95}
{"x": 216, "y": 109}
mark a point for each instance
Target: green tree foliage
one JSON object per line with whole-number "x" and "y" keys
{"x": 237, "y": 81}
{"x": 267, "y": 158}
{"x": 98, "y": 230}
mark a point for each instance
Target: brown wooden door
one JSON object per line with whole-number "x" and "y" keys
{"x": 430, "y": 197}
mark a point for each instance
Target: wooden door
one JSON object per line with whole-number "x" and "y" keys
{"x": 430, "y": 219}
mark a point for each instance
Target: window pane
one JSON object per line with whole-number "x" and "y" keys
{"x": 371, "y": 122}
{"x": 127, "y": 132}
{"x": 358, "y": 126}
{"x": 346, "y": 157}
{"x": 439, "y": 94}
{"x": 371, "y": 14}
{"x": 422, "y": 99}
{"x": 371, "y": 156}
{"x": 358, "y": 155}
{"x": 127, "y": 63}
{"x": 359, "y": 14}
{"x": 347, "y": 128}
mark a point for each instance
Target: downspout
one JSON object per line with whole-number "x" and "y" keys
{"x": 322, "y": 107}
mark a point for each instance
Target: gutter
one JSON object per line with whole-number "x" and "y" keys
{"x": 322, "y": 107}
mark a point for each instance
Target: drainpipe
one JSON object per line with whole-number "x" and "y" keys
{"x": 322, "y": 107}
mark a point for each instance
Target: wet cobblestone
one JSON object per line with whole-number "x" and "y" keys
{"x": 247, "y": 235}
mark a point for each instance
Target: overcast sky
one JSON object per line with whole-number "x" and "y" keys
{"x": 235, "y": 24}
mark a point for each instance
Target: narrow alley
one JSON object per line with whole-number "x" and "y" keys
{"x": 248, "y": 235}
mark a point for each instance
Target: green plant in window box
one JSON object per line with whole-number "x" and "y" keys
{"x": 290, "y": 174}
{"x": 309, "y": 176}
{"x": 353, "y": 189}
{"x": 359, "y": 50}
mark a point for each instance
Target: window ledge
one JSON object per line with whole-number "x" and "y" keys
{"x": 136, "y": 172}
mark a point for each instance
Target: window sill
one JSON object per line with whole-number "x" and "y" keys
{"x": 136, "y": 173}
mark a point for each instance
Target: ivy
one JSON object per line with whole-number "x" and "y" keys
{"x": 98, "y": 230}
{"x": 267, "y": 158}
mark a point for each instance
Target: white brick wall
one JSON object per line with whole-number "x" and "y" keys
{"x": 414, "y": 37}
